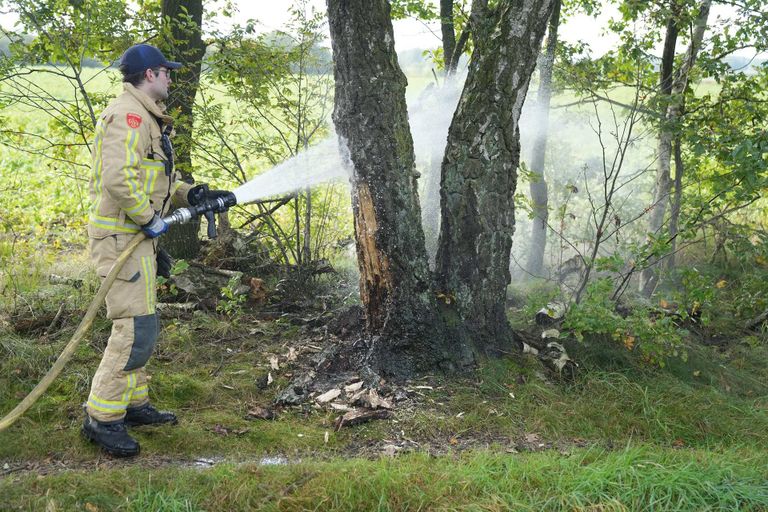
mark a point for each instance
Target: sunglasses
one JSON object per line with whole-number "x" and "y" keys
{"x": 159, "y": 71}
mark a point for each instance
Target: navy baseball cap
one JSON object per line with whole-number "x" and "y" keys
{"x": 139, "y": 57}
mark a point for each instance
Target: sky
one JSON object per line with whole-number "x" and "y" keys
{"x": 410, "y": 33}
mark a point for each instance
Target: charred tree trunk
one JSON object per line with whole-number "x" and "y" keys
{"x": 372, "y": 122}
{"x": 183, "y": 19}
{"x": 479, "y": 172}
{"x": 539, "y": 195}
{"x": 673, "y": 100}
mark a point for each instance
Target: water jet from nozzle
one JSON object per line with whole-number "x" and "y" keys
{"x": 317, "y": 164}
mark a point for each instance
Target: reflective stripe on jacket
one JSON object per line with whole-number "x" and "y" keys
{"x": 128, "y": 182}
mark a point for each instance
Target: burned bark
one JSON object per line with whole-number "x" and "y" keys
{"x": 479, "y": 172}
{"x": 371, "y": 120}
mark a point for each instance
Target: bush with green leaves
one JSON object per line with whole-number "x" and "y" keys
{"x": 231, "y": 303}
{"x": 656, "y": 335}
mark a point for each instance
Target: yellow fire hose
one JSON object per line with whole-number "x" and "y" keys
{"x": 179, "y": 216}
{"x": 69, "y": 350}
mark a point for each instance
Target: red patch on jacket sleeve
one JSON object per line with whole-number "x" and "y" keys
{"x": 133, "y": 120}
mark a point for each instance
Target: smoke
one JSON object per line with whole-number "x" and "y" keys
{"x": 585, "y": 145}
{"x": 580, "y": 150}
{"x": 429, "y": 115}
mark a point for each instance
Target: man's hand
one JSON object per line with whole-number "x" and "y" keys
{"x": 155, "y": 227}
{"x": 200, "y": 194}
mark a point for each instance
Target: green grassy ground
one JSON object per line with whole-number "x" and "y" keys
{"x": 632, "y": 478}
{"x": 624, "y": 436}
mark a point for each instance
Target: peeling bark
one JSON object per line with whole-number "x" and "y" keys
{"x": 479, "y": 172}
{"x": 372, "y": 121}
{"x": 375, "y": 275}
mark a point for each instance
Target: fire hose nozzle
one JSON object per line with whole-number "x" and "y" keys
{"x": 206, "y": 209}
{"x": 179, "y": 216}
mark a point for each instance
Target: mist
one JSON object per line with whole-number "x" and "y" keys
{"x": 579, "y": 150}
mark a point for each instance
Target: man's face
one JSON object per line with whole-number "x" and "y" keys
{"x": 158, "y": 81}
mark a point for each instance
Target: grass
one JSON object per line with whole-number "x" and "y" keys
{"x": 213, "y": 383}
{"x": 624, "y": 436}
{"x": 630, "y": 478}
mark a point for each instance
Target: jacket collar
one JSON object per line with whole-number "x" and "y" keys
{"x": 157, "y": 109}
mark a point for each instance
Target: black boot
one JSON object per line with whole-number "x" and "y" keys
{"x": 111, "y": 436}
{"x": 148, "y": 415}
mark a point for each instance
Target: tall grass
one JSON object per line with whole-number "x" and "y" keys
{"x": 636, "y": 478}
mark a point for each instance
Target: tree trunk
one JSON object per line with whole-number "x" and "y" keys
{"x": 297, "y": 223}
{"x": 538, "y": 187}
{"x": 662, "y": 188}
{"x": 448, "y": 33}
{"x": 183, "y": 19}
{"x": 308, "y": 227}
{"x": 478, "y": 10}
{"x": 677, "y": 199}
{"x": 371, "y": 120}
{"x": 479, "y": 171}
{"x": 673, "y": 96}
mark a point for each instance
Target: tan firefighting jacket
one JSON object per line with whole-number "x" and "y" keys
{"x": 129, "y": 182}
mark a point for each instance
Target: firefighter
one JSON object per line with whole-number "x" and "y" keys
{"x": 133, "y": 184}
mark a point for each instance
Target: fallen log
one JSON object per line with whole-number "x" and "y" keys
{"x": 544, "y": 342}
{"x": 551, "y": 314}
{"x": 759, "y": 319}
{"x": 359, "y": 416}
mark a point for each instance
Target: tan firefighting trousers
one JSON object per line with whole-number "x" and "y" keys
{"x": 120, "y": 381}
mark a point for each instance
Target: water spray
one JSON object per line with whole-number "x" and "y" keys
{"x": 317, "y": 164}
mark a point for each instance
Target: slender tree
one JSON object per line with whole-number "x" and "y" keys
{"x": 538, "y": 186}
{"x": 448, "y": 32}
{"x": 673, "y": 85}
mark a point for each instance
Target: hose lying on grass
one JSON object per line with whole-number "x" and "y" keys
{"x": 69, "y": 350}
